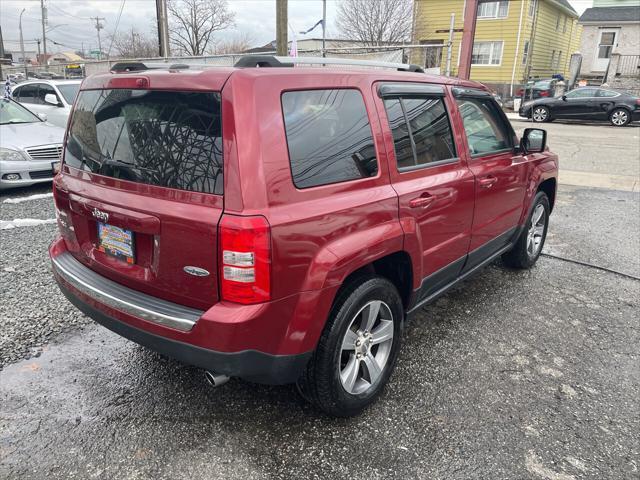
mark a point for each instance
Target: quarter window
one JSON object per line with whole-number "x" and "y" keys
{"x": 486, "y": 53}
{"x": 606, "y": 93}
{"x": 329, "y": 137}
{"x": 492, "y": 9}
{"x": 485, "y": 129}
{"x": 421, "y": 131}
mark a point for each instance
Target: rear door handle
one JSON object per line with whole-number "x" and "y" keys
{"x": 487, "y": 182}
{"x": 422, "y": 201}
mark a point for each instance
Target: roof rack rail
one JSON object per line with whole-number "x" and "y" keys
{"x": 140, "y": 66}
{"x": 275, "y": 61}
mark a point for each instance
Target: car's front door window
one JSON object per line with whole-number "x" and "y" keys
{"x": 486, "y": 132}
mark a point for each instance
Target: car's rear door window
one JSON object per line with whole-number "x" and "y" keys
{"x": 421, "y": 131}
{"x": 28, "y": 94}
{"x": 329, "y": 137}
{"x": 164, "y": 138}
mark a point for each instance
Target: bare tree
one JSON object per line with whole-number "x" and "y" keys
{"x": 193, "y": 23}
{"x": 234, "y": 43}
{"x": 375, "y": 22}
{"x": 133, "y": 44}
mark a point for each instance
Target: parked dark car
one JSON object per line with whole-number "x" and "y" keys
{"x": 349, "y": 200}
{"x": 587, "y": 103}
{"x": 541, "y": 89}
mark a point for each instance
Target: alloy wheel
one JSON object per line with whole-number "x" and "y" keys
{"x": 619, "y": 118}
{"x": 540, "y": 114}
{"x": 366, "y": 347}
{"x": 536, "y": 231}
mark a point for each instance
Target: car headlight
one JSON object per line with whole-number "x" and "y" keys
{"x": 11, "y": 155}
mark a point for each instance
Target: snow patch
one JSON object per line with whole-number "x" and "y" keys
{"x": 37, "y": 196}
{"x": 24, "y": 222}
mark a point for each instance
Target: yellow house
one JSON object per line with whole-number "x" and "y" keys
{"x": 515, "y": 40}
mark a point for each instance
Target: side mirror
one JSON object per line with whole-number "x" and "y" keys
{"x": 51, "y": 99}
{"x": 564, "y": 97}
{"x": 533, "y": 140}
{"x": 42, "y": 116}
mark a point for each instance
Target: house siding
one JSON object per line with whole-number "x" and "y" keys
{"x": 431, "y": 23}
{"x": 628, "y": 43}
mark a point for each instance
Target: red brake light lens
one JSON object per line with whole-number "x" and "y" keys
{"x": 245, "y": 259}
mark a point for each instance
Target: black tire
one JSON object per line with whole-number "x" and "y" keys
{"x": 520, "y": 256}
{"x": 620, "y": 117}
{"x": 540, "y": 114}
{"x": 320, "y": 384}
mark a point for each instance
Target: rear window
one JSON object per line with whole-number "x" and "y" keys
{"x": 164, "y": 138}
{"x": 329, "y": 137}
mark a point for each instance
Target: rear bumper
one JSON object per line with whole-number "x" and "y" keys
{"x": 266, "y": 343}
{"x": 250, "y": 364}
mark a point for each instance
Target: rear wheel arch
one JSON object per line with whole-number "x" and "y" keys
{"x": 395, "y": 267}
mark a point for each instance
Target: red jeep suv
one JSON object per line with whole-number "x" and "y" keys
{"x": 280, "y": 224}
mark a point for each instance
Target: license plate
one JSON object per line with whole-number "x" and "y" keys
{"x": 116, "y": 241}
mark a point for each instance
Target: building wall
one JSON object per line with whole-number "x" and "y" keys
{"x": 628, "y": 43}
{"x": 431, "y": 23}
{"x": 547, "y": 39}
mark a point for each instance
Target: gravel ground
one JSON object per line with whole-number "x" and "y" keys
{"x": 33, "y": 310}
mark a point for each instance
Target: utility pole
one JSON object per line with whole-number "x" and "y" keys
{"x": 1, "y": 52}
{"x": 38, "y": 40}
{"x": 99, "y": 27}
{"x": 468, "y": 34}
{"x": 163, "y": 28}
{"x": 24, "y": 60}
{"x": 43, "y": 16}
{"x": 450, "y": 44}
{"x": 324, "y": 28}
{"x": 281, "y": 28}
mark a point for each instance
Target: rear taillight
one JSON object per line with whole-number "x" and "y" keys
{"x": 544, "y": 93}
{"x": 245, "y": 259}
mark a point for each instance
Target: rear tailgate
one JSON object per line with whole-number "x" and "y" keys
{"x": 142, "y": 190}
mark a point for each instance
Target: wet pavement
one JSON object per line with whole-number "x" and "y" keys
{"x": 526, "y": 375}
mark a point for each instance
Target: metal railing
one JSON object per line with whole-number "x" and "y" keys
{"x": 628, "y": 65}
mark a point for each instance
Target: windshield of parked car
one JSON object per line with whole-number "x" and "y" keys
{"x": 69, "y": 91}
{"x": 11, "y": 112}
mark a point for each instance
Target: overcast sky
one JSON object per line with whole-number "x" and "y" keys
{"x": 70, "y": 24}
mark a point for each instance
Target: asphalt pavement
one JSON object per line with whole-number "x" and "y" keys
{"x": 514, "y": 375}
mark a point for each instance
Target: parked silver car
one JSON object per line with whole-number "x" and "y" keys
{"x": 54, "y": 98}
{"x": 30, "y": 148}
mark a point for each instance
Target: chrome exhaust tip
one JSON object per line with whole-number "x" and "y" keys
{"x": 215, "y": 379}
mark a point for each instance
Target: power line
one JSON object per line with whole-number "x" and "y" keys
{"x": 115, "y": 31}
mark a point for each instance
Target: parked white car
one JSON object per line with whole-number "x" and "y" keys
{"x": 30, "y": 148}
{"x": 54, "y": 98}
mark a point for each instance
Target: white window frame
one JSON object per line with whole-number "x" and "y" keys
{"x": 532, "y": 7}
{"x": 558, "y": 23}
{"x": 525, "y": 52}
{"x": 564, "y": 26}
{"x": 491, "y": 54}
{"x": 496, "y": 13}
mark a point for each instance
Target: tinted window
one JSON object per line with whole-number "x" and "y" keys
{"x": 28, "y": 94}
{"x": 400, "y": 131}
{"x": 582, "y": 93}
{"x": 606, "y": 93}
{"x": 430, "y": 128}
{"x": 45, "y": 89}
{"x": 421, "y": 131}
{"x": 329, "y": 137}
{"x": 485, "y": 129}
{"x": 169, "y": 139}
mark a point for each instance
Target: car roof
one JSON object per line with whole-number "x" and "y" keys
{"x": 50, "y": 82}
{"x": 214, "y": 78}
